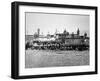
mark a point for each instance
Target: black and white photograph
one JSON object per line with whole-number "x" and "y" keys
{"x": 53, "y": 40}
{"x": 50, "y": 40}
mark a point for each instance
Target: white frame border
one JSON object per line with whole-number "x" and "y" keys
{"x": 53, "y": 70}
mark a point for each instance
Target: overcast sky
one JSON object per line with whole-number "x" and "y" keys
{"x": 51, "y": 22}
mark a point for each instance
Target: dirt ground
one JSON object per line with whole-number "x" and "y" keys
{"x": 51, "y": 58}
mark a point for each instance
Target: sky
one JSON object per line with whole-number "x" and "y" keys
{"x": 49, "y": 23}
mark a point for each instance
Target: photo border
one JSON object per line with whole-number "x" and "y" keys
{"x": 15, "y": 39}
